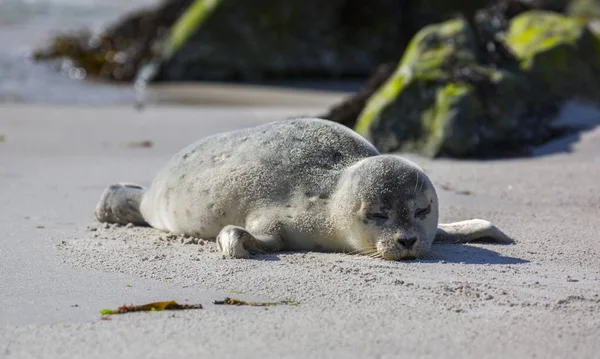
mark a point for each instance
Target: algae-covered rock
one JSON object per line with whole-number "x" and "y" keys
{"x": 560, "y": 54}
{"x": 442, "y": 102}
{"x": 491, "y": 20}
{"x": 117, "y": 53}
{"x": 347, "y": 111}
{"x": 435, "y": 102}
{"x": 252, "y": 40}
{"x": 400, "y": 115}
{"x": 260, "y": 39}
{"x": 589, "y": 9}
{"x": 249, "y": 40}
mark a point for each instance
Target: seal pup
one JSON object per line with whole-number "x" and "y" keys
{"x": 298, "y": 184}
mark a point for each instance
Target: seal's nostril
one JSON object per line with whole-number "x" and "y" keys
{"x": 407, "y": 242}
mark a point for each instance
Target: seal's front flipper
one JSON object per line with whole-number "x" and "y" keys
{"x": 470, "y": 230}
{"x": 236, "y": 242}
{"x": 120, "y": 203}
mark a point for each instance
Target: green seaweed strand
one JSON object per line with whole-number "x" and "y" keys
{"x": 187, "y": 23}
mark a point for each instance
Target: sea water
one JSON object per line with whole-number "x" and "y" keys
{"x": 29, "y": 24}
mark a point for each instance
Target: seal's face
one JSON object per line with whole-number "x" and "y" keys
{"x": 399, "y": 229}
{"x": 395, "y": 210}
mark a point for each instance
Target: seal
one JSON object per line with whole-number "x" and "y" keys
{"x": 297, "y": 184}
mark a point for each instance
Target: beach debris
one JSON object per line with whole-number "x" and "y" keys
{"x": 2, "y": 138}
{"x": 140, "y": 144}
{"x": 150, "y": 307}
{"x": 40, "y": 227}
{"x": 448, "y": 188}
{"x": 239, "y": 302}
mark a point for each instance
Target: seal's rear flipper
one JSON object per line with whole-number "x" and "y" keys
{"x": 120, "y": 203}
{"x": 470, "y": 230}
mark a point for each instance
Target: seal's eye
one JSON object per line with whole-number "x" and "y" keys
{"x": 377, "y": 216}
{"x": 422, "y": 212}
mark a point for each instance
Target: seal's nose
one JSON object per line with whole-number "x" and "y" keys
{"x": 407, "y": 242}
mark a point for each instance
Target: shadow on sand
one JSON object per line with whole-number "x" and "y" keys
{"x": 579, "y": 118}
{"x": 449, "y": 253}
{"x": 560, "y": 145}
{"x": 268, "y": 257}
{"x": 469, "y": 254}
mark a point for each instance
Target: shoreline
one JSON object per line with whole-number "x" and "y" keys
{"x": 234, "y": 94}
{"x": 314, "y": 94}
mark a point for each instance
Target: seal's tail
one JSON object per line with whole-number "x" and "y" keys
{"x": 120, "y": 203}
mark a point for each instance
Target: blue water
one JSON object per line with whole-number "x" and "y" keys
{"x": 26, "y": 24}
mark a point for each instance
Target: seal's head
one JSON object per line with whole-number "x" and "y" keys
{"x": 388, "y": 206}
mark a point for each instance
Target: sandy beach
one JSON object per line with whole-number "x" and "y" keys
{"x": 58, "y": 267}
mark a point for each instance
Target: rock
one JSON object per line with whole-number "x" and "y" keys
{"x": 442, "y": 101}
{"x": 283, "y": 39}
{"x": 432, "y": 103}
{"x": 249, "y": 40}
{"x": 490, "y": 20}
{"x": 118, "y": 52}
{"x": 261, "y": 39}
{"x": 348, "y": 111}
{"x": 560, "y": 54}
{"x": 589, "y": 9}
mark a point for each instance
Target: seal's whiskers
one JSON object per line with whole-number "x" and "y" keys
{"x": 364, "y": 250}
{"x": 375, "y": 255}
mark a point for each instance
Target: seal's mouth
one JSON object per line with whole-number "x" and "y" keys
{"x": 409, "y": 258}
{"x": 398, "y": 255}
